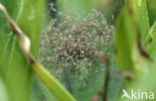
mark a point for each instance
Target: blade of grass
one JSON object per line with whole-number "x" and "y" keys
{"x": 24, "y": 44}
{"x": 3, "y": 93}
{"x": 18, "y": 70}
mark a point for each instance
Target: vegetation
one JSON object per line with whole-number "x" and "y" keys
{"x": 94, "y": 60}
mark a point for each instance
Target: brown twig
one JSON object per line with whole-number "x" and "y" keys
{"x": 107, "y": 78}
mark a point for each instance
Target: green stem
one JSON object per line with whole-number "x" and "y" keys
{"x": 52, "y": 83}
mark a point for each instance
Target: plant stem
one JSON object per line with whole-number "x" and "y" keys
{"x": 52, "y": 83}
{"x": 107, "y": 78}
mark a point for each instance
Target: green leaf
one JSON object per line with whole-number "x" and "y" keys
{"x": 151, "y": 11}
{"x": 3, "y": 93}
{"x": 19, "y": 76}
{"x": 5, "y": 34}
{"x": 130, "y": 52}
{"x": 150, "y": 42}
{"x": 132, "y": 26}
{"x": 141, "y": 13}
{"x": 125, "y": 38}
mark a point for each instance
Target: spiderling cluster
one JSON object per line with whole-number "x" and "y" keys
{"x": 71, "y": 44}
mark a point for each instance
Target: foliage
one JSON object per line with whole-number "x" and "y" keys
{"x": 16, "y": 73}
{"x": 151, "y": 11}
{"x": 3, "y": 93}
{"x": 136, "y": 54}
{"x": 24, "y": 44}
{"x": 77, "y": 51}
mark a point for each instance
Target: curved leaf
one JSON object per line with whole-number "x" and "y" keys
{"x": 19, "y": 76}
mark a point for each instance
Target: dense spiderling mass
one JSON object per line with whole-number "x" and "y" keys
{"x": 71, "y": 43}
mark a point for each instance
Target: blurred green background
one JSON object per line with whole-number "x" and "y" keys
{"x": 119, "y": 39}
